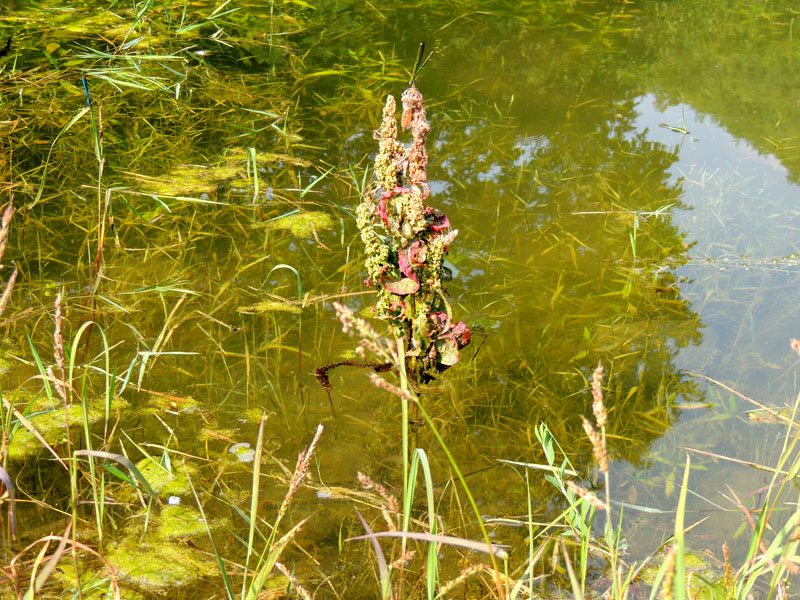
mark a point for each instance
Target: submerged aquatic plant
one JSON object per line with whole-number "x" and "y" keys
{"x": 406, "y": 242}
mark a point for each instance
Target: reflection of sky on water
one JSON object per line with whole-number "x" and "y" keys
{"x": 742, "y": 228}
{"x": 740, "y": 224}
{"x": 742, "y": 280}
{"x": 739, "y": 196}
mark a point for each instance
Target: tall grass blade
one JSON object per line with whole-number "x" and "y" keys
{"x": 124, "y": 461}
{"x": 432, "y": 562}
{"x": 45, "y": 573}
{"x": 254, "y": 499}
{"x": 492, "y": 549}
{"x": 225, "y": 577}
{"x": 680, "y": 573}
{"x": 269, "y": 562}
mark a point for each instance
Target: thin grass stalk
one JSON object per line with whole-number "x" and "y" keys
{"x": 98, "y": 488}
{"x": 73, "y": 488}
{"x": 408, "y": 496}
{"x": 220, "y": 563}
{"x": 587, "y": 516}
{"x": 533, "y": 559}
{"x": 752, "y": 569}
{"x": 46, "y": 165}
{"x": 577, "y": 592}
{"x": 530, "y": 532}
{"x": 273, "y": 548}
{"x": 502, "y": 593}
{"x": 254, "y": 491}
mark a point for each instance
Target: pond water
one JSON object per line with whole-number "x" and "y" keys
{"x": 623, "y": 176}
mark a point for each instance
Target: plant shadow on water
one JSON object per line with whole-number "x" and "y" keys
{"x": 185, "y": 179}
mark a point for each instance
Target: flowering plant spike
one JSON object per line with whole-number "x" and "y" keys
{"x": 406, "y": 242}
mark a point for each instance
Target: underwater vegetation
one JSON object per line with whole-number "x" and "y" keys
{"x": 196, "y": 198}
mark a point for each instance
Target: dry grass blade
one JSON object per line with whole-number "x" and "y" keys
{"x": 439, "y": 539}
{"x": 29, "y": 426}
{"x": 764, "y": 407}
{"x": 12, "y": 510}
{"x": 77, "y": 545}
{"x": 750, "y": 520}
{"x": 301, "y": 591}
{"x": 42, "y": 577}
{"x": 124, "y": 461}
{"x": 383, "y": 568}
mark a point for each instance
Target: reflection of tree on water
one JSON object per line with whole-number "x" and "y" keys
{"x": 582, "y": 266}
{"x": 569, "y": 288}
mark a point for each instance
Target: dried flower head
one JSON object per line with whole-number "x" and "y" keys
{"x": 402, "y": 560}
{"x": 7, "y": 291}
{"x": 667, "y": 584}
{"x": 406, "y": 242}
{"x": 389, "y": 505}
{"x": 58, "y": 339}
{"x": 301, "y": 591}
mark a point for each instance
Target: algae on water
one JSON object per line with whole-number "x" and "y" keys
{"x": 47, "y": 417}
{"x": 158, "y": 566}
{"x": 271, "y": 306}
{"x": 304, "y": 224}
{"x": 182, "y": 521}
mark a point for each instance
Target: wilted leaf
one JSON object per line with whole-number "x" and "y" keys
{"x": 447, "y": 347}
{"x": 401, "y": 287}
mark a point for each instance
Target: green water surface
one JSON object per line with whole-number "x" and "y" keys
{"x": 623, "y": 176}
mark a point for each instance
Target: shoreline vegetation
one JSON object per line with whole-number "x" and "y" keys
{"x": 161, "y": 195}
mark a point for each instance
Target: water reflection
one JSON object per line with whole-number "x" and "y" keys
{"x": 588, "y": 230}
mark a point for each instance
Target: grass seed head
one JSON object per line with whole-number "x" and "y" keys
{"x": 598, "y": 405}
{"x": 600, "y": 454}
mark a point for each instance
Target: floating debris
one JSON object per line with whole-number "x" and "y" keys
{"x": 243, "y": 452}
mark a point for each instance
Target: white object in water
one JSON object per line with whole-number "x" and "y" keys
{"x": 243, "y": 452}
